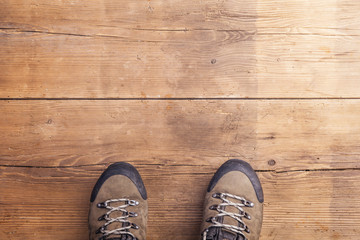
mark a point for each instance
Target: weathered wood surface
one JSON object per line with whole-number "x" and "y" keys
{"x": 335, "y": 17}
{"x": 306, "y": 151}
{"x": 180, "y": 49}
{"x": 306, "y": 134}
{"x": 52, "y": 203}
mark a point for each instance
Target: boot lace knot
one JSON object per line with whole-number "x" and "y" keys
{"x": 126, "y": 224}
{"x": 220, "y": 208}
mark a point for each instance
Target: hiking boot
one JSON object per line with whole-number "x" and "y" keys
{"x": 233, "y": 204}
{"x": 118, "y": 205}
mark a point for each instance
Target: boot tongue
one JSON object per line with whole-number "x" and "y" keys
{"x": 216, "y": 233}
{"x": 122, "y": 237}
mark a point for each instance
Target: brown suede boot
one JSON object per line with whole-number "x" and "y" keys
{"x": 233, "y": 204}
{"x": 118, "y": 205}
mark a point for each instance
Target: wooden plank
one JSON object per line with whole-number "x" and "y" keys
{"x": 180, "y": 49}
{"x": 337, "y": 17}
{"x": 179, "y": 64}
{"x": 271, "y": 134}
{"x": 52, "y": 203}
{"x": 41, "y": 65}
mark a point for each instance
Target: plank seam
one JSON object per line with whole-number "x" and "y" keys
{"x": 179, "y": 165}
{"x": 169, "y": 99}
{"x": 175, "y": 30}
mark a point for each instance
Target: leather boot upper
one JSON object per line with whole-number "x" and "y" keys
{"x": 238, "y": 179}
{"x": 117, "y": 186}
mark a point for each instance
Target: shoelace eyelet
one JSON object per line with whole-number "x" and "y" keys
{"x": 134, "y": 226}
{"x": 213, "y": 207}
{"x": 132, "y": 203}
{"x": 248, "y": 203}
{"x": 101, "y": 205}
{"x": 247, "y": 216}
{"x": 100, "y": 230}
{"x": 216, "y": 195}
{"x": 103, "y": 217}
{"x": 132, "y": 214}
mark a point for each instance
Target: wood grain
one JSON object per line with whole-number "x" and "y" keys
{"x": 306, "y": 134}
{"x": 334, "y": 17}
{"x": 176, "y": 88}
{"x": 44, "y": 203}
{"x": 180, "y": 49}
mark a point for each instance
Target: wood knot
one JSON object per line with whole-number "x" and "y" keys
{"x": 271, "y": 162}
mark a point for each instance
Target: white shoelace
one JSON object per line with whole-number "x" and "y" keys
{"x": 121, "y": 219}
{"x": 237, "y": 216}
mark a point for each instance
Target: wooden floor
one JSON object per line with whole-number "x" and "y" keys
{"x": 176, "y": 88}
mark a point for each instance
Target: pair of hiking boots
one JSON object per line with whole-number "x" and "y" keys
{"x": 232, "y": 211}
